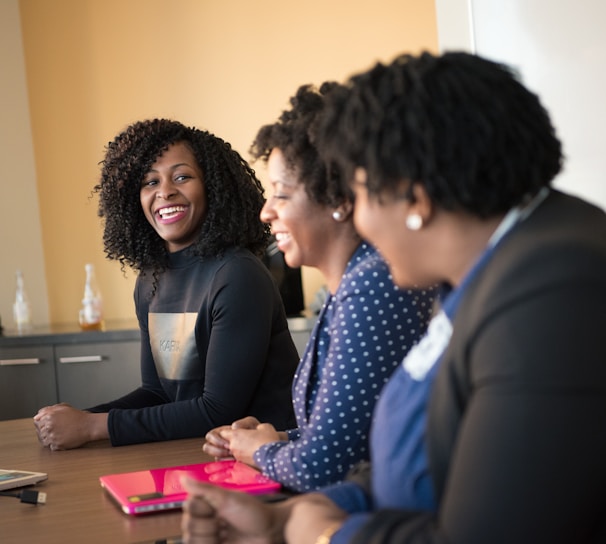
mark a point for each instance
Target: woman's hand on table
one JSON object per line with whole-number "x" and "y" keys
{"x": 217, "y": 446}
{"x": 243, "y": 443}
{"x": 213, "y": 514}
{"x": 63, "y": 427}
{"x": 312, "y": 515}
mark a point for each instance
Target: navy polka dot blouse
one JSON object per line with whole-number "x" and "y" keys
{"x": 362, "y": 333}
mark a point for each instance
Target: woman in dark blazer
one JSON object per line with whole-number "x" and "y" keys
{"x": 451, "y": 160}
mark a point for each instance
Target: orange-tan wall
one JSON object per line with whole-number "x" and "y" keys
{"x": 20, "y": 232}
{"x": 94, "y": 66}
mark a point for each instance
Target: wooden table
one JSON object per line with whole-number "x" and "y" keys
{"x": 77, "y": 508}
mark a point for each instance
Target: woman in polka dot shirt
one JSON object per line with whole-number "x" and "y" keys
{"x": 363, "y": 331}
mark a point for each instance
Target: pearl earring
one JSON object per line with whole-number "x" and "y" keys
{"x": 337, "y": 215}
{"x": 414, "y": 221}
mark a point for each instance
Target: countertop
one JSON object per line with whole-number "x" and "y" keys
{"x": 70, "y": 333}
{"x": 114, "y": 331}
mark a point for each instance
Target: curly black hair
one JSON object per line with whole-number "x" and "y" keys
{"x": 234, "y": 195}
{"x": 292, "y": 133}
{"x": 462, "y": 126}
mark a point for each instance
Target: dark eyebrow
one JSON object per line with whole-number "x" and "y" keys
{"x": 284, "y": 183}
{"x": 172, "y": 167}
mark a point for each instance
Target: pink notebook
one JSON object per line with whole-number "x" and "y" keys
{"x": 148, "y": 491}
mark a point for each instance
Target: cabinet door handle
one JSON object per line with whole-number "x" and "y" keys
{"x": 15, "y": 362}
{"x": 82, "y": 359}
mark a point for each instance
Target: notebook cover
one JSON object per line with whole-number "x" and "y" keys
{"x": 147, "y": 491}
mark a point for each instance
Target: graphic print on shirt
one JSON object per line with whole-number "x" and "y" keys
{"x": 173, "y": 345}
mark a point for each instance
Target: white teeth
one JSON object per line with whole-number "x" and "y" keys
{"x": 170, "y": 211}
{"x": 281, "y": 236}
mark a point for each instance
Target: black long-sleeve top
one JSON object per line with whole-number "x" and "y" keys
{"x": 215, "y": 347}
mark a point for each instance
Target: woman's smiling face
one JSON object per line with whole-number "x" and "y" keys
{"x": 173, "y": 197}
{"x": 299, "y": 225}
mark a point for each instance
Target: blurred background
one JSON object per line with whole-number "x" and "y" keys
{"x": 74, "y": 73}
{"x": 77, "y": 72}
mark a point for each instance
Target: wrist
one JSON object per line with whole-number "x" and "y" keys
{"x": 327, "y": 534}
{"x": 98, "y": 428}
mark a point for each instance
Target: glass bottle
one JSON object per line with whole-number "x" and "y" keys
{"x": 21, "y": 309}
{"x": 91, "y": 314}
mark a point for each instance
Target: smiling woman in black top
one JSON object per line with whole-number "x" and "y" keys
{"x": 182, "y": 209}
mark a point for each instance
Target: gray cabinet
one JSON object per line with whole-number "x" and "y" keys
{"x": 64, "y": 364}
{"x": 93, "y": 373}
{"x": 81, "y": 368}
{"x": 27, "y": 380}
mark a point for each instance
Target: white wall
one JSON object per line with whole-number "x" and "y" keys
{"x": 559, "y": 46}
{"x": 20, "y": 235}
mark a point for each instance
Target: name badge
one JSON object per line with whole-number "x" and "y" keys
{"x": 426, "y": 353}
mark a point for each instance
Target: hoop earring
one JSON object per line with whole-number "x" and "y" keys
{"x": 414, "y": 221}
{"x": 337, "y": 215}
